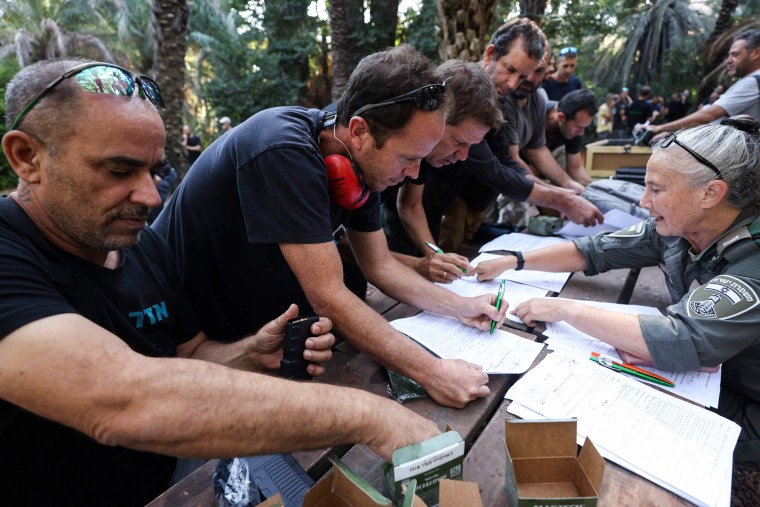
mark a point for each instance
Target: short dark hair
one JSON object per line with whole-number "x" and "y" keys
{"x": 48, "y": 117}
{"x": 472, "y": 93}
{"x": 577, "y": 100}
{"x": 532, "y": 37}
{"x": 645, "y": 91}
{"x": 379, "y": 77}
{"x": 751, "y": 36}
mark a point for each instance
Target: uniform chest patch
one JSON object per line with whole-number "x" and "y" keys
{"x": 633, "y": 231}
{"x": 722, "y": 297}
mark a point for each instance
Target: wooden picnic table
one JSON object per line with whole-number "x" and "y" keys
{"x": 481, "y": 423}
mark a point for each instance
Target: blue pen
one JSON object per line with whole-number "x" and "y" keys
{"x": 499, "y": 297}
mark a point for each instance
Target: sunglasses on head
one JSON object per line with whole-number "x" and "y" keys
{"x": 702, "y": 160}
{"x": 426, "y": 98}
{"x": 105, "y": 78}
{"x": 568, "y": 51}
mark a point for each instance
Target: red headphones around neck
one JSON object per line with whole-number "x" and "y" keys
{"x": 345, "y": 183}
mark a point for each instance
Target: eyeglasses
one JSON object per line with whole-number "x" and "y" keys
{"x": 702, "y": 160}
{"x": 105, "y": 78}
{"x": 427, "y": 98}
{"x": 568, "y": 51}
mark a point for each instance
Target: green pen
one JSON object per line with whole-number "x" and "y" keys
{"x": 612, "y": 365}
{"x": 439, "y": 251}
{"x": 499, "y": 297}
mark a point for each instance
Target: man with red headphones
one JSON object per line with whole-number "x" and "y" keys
{"x": 253, "y": 224}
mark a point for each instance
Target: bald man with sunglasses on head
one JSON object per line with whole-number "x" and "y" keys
{"x": 257, "y": 220}
{"x": 105, "y": 375}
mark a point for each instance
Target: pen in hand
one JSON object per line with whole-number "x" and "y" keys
{"x": 499, "y": 297}
{"x": 439, "y": 251}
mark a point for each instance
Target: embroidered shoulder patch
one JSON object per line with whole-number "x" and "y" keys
{"x": 722, "y": 297}
{"x": 633, "y": 231}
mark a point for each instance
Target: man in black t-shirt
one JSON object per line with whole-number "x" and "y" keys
{"x": 254, "y": 223}
{"x": 192, "y": 145}
{"x": 565, "y": 126}
{"x": 640, "y": 111}
{"x": 98, "y": 395}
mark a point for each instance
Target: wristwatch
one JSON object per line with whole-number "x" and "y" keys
{"x": 520, "y": 260}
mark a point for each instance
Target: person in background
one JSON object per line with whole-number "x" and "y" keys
{"x": 566, "y": 124}
{"x": 619, "y": 128}
{"x": 604, "y": 117}
{"x": 166, "y": 180}
{"x": 714, "y": 95}
{"x": 640, "y": 111}
{"x": 703, "y": 195}
{"x": 106, "y": 374}
{"x": 192, "y": 145}
{"x": 225, "y": 123}
{"x": 743, "y": 97}
{"x": 563, "y": 80}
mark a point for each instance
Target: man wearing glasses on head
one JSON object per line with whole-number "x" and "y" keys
{"x": 253, "y": 224}
{"x": 564, "y": 80}
{"x": 105, "y": 375}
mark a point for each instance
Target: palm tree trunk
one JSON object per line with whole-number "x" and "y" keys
{"x": 465, "y": 28}
{"x": 170, "y": 20}
{"x": 340, "y": 47}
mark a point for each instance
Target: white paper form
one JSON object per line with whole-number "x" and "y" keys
{"x": 684, "y": 448}
{"x": 514, "y": 293}
{"x": 500, "y": 352}
{"x": 724, "y": 488}
{"x": 541, "y": 279}
{"x": 614, "y": 220}
{"x": 698, "y": 386}
{"x": 521, "y": 242}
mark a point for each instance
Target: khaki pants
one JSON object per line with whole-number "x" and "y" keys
{"x": 459, "y": 224}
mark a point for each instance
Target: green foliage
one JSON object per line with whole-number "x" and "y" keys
{"x": 8, "y": 69}
{"x": 251, "y": 60}
{"x": 418, "y": 29}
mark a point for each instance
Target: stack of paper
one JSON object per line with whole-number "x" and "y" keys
{"x": 698, "y": 386}
{"x": 514, "y": 293}
{"x": 614, "y": 220}
{"x": 520, "y": 242}
{"x": 500, "y": 352}
{"x": 680, "y": 446}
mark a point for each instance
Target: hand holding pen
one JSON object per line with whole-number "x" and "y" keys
{"x": 499, "y": 298}
{"x": 441, "y": 266}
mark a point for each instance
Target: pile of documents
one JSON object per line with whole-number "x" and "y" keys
{"x": 680, "y": 446}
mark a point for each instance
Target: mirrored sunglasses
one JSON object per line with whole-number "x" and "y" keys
{"x": 105, "y": 78}
{"x": 570, "y": 50}
{"x": 702, "y": 160}
{"x": 426, "y": 98}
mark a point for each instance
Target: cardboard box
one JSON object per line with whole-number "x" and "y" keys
{"x": 427, "y": 462}
{"x": 604, "y": 157}
{"x": 542, "y": 467}
{"x": 451, "y": 494}
{"x": 343, "y": 488}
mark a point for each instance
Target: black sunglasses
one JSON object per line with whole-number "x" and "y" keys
{"x": 702, "y": 160}
{"x": 568, "y": 50}
{"x": 98, "y": 77}
{"x": 427, "y": 98}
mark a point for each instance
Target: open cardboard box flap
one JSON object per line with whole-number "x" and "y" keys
{"x": 343, "y": 488}
{"x": 542, "y": 464}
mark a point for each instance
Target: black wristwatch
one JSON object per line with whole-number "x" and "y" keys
{"x": 520, "y": 260}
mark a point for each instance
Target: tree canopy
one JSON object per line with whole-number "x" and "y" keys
{"x": 236, "y": 57}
